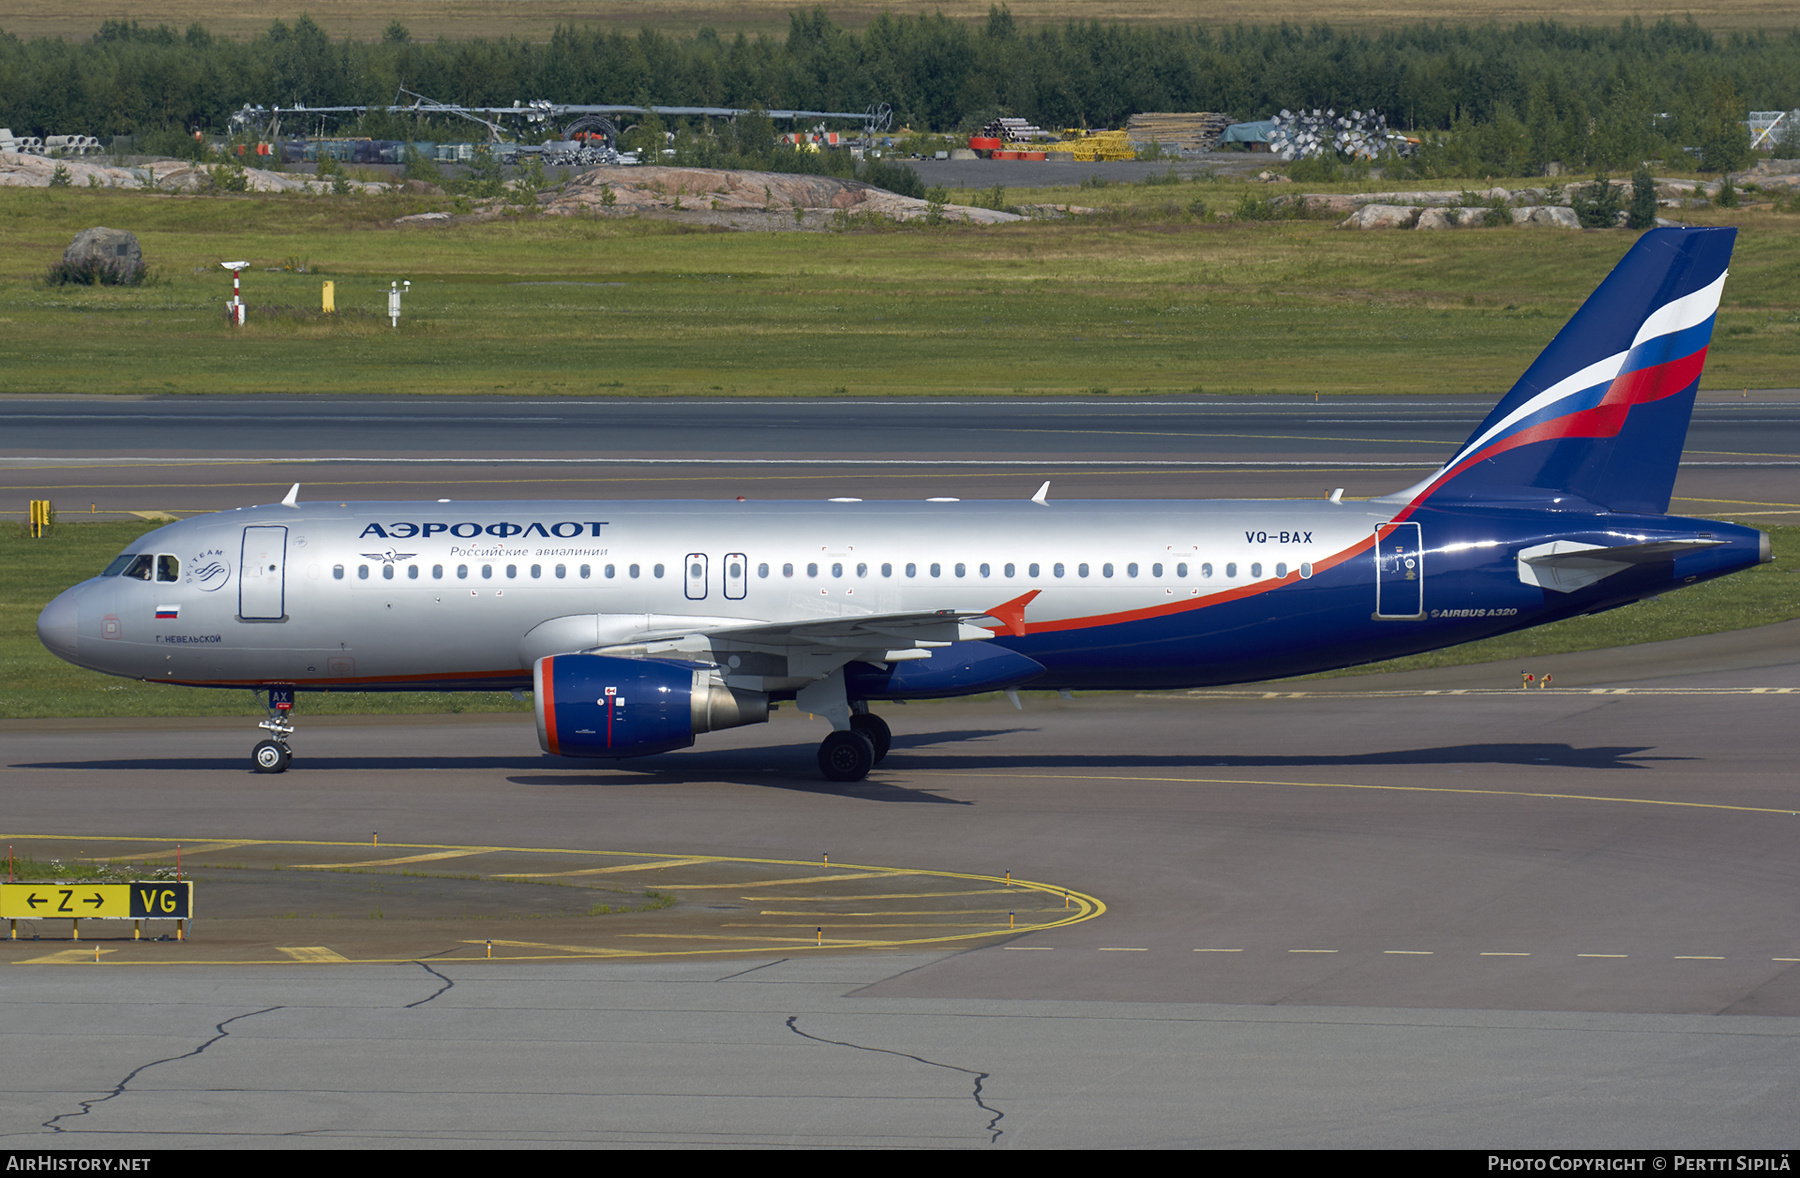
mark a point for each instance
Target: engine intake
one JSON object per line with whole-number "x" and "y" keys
{"x": 591, "y": 705}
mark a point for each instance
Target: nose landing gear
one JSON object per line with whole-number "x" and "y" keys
{"x": 273, "y": 755}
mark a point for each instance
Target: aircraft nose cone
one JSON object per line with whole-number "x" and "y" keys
{"x": 57, "y": 626}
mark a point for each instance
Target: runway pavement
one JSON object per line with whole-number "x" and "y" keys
{"x": 1419, "y": 910}
{"x": 181, "y": 455}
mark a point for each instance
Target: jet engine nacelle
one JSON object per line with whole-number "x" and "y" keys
{"x": 592, "y": 705}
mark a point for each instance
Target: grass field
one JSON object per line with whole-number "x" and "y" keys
{"x": 533, "y": 20}
{"x": 34, "y": 683}
{"x": 1146, "y": 299}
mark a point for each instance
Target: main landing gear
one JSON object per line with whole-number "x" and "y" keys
{"x": 273, "y": 755}
{"x": 849, "y": 754}
{"x": 858, "y": 741}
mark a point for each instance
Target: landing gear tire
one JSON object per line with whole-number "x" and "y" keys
{"x": 270, "y": 757}
{"x": 846, "y": 756}
{"x": 876, "y": 729}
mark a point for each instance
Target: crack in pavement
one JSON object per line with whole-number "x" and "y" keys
{"x": 87, "y": 1106}
{"x": 440, "y": 990}
{"x": 993, "y": 1123}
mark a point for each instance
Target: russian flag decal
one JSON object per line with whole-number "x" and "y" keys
{"x": 168, "y": 611}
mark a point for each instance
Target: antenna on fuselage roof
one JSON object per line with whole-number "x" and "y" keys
{"x": 1043, "y": 492}
{"x": 293, "y": 496}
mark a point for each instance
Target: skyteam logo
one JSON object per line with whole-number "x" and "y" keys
{"x": 210, "y": 570}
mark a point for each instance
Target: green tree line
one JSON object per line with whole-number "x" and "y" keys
{"x": 1525, "y": 93}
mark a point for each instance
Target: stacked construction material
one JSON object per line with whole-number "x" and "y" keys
{"x": 23, "y": 144}
{"x": 1361, "y": 133}
{"x": 1188, "y": 134}
{"x": 1101, "y": 145}
{"x": 71, "y": 145}
{"x": 1013, "y": 131}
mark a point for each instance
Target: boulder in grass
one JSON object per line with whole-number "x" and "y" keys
{"x": 111, "y": 257}
{"x": 1547, "y": 216}
{"x": 1381, "y": 217}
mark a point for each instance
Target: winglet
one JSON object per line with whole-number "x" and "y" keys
{"x": 1011, "y": 615}
{"x": 1043, "y": 495}
{"x": 293, "y": 496}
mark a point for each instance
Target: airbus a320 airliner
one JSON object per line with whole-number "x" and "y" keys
{"x": 639, "y": 625}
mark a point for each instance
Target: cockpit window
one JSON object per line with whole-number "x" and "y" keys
{"x": 118, "y": 564}
{"x": 140, "y": 567}
{"x": 168, "y": 568}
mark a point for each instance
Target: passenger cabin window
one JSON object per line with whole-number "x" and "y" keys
{"x": 362, "y": 572}
{"x": 412, "y": 572}
{"x": 657, "y": 571}
{"x": 387, "y": 572}
{"x": 437, "y": 572}
{"x": 462, "y": 572}
{"x": 337, "y": 572}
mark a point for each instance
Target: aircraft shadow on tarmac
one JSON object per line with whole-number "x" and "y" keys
{"x": 792, "y": 766}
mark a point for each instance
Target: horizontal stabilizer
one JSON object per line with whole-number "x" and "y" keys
{"x": 1568, "y": 565}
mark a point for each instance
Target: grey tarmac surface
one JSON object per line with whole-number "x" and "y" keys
{"x": 1419, "y": 910}
{"x": 182, "y": 455}
{"x": 1373, "y": 913}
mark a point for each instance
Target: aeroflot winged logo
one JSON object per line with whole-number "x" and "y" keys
{"x": 407, "y": 529}
{"x": 390, "y": 556}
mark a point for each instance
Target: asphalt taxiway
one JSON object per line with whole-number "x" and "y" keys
{"x": 1429, "y": 909}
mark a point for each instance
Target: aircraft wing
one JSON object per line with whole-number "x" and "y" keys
{"x": 783, "y": 655}
{"x": 1568, "y": 565}
{"x": 861, "y": 633}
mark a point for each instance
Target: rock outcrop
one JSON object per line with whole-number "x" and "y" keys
{"x": 666, "y": 189}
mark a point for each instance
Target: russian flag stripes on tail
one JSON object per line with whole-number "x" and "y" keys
{"x": 1602, "y": 414}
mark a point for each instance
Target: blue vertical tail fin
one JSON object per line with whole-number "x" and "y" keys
{"x": 1602, "y": 414}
